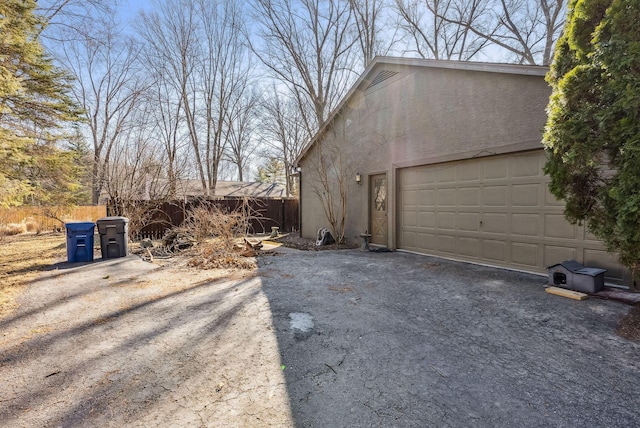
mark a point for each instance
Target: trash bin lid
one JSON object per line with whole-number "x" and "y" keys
{"x": 113, "y": 219}
{"x": 79, "y": 225}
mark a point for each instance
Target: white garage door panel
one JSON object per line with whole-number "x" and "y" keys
{"x": 494, "y": 210}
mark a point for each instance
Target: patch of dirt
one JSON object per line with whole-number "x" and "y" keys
{"x": 430, "y": 265}
{"x": 293, "y": 240}
{"x": 341, "y": 289}
{"x": 211, "y": 255}
{"x": 629, "y": 325}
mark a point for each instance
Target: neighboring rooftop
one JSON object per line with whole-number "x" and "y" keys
{"x": 158, "y": 189}
{"x": 239, "y": 189}
{"x": 233, "y": 189}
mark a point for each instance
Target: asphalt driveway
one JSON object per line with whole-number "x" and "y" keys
{"x": 396, "y": 339}
{"x": 318, "y": 339}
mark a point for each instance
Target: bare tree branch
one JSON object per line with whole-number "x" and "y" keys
{"x": 283, "y": 132}
{"x": 440, "y": 29}
{"x": 108, "y": 87}
{"x": 307, "y": 45}
{"x": 373, "y": 38}
{"x": 200, "y": 44}
{"x": 527, "y": 29}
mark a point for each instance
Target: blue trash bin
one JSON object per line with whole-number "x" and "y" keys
{"x": 80, "y": 241}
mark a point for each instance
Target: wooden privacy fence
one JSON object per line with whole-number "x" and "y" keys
{"x": 265, "y": 214}
{"x": 44, "y": 216}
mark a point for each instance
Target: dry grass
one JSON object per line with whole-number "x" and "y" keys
{"x": 45, "y": 218}
{"x": 12, "y": 229}
{"x": 21, "y": 259}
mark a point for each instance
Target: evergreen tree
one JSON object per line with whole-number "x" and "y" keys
{"x": 33, "y": 100}
{"x": 271, "y": 171}
{"x": 53, "y": 174}
{"x": 82, "y": 158}
{"x": 593, "y": 130}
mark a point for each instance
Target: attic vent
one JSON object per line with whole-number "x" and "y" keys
{"x": 381, "y": 77}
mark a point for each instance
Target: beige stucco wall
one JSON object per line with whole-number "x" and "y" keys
{"x": 423, "y": 115}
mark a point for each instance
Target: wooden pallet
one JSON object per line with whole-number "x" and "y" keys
{"x": 576, "y": 295}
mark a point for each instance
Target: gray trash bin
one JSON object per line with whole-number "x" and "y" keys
{"x": 114, "y": 236}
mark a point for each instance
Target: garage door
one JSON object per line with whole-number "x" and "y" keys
{"x": 494, "y": 210}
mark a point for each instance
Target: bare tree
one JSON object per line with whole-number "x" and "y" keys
{"x": 368, "y": 15}
{"x": 165, "y": 112}
{"x": 241, "y": 119}
{"x": 136, "y": 183}
{"x": 135, "y": 163}
{"x": 171, "y": 37}
{"x": 225, "y": 72}
{"x": 328, "y": 172}
{"x": 199, "y": 42}
{"x": 527, "y": 30}
{"x": 283, "y": 133}
{"x": 108, "y": 87}
{"x": 441, "y": 29}
{"x": 308, "y": 46}
{"x": 69, "y": 19}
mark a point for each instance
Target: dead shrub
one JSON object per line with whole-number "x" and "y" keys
{"x": 13, "y": 229}
{"x": 177, "y": 239}
{"x": 32, "y": 225}
{"x": 139, "y": 213}
{"x": 216, "y": 232}
{"x": 210, "y": 221}
{"x": 215, "y": 255}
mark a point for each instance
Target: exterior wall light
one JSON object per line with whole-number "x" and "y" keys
{"x": 358, "y": 178}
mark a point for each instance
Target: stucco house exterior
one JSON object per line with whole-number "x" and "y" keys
{"x": 449, "y": 160}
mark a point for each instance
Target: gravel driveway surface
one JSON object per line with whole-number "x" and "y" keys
{"x": 318, "y": 339}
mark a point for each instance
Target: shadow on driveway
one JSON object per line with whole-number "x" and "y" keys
{"x": 125, "y": 343}
{"x": 396, "y": 339}
{"x": 365, "y": 339}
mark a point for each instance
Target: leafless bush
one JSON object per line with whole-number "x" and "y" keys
{"x": 32, "y": 225}
{"x": 140, "y": 214}
{"x": 13, "y": 229}
{"x": 217, "y": 234}
{"x": 210, "y": 221}
{"x": 215, "y": 255}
